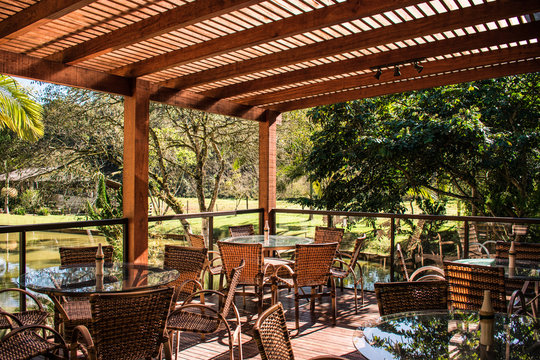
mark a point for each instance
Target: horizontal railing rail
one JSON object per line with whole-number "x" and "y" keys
{"x": 393, "y": 217}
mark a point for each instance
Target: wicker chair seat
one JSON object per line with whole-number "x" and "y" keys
{"x": 29, "y": 317}
{"x": 25, "y": 345}
{"x": 193, "y": 322}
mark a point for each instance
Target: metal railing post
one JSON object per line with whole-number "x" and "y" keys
{"x": 22, "y": 268}
{"x": 211, "y": 247}
{"x": 466, "y": 240}
{"x": 392, "y": 246}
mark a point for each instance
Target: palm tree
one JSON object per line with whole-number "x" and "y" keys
{"x": 18, "y": 111}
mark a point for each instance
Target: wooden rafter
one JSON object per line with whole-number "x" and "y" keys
{"x": 173, "y": 19}
{"x": 425, "y": 26}
{"x": 37, "y": 15}
{"x": 431, "y": 68}
{"x": 316, "y": 19}
{"x": 472, "y": 74}
{"x": 443, "y": 47}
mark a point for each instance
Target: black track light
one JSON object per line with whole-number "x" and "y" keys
{"x": 378, "y": 74}
{"x": 396, "y": 71}
{"x": 418, "y": 67}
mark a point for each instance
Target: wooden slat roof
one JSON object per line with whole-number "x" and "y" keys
{"x": 242, "y": 57}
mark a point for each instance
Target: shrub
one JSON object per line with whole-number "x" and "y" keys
{"x": 19, "y": 210}
{"x": 43, "y": 211}
{"x": 30, "y": 200}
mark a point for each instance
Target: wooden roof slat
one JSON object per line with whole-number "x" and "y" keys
{"x": 415, "y": 28}
{"x": 430, "y": 68}
{"x": 36, "y": 15}
{"x": 181, "y": 16}
{"x": 416, "y": 84}
{"x": 303, "y": 23}
{"x": 451, "y": 45}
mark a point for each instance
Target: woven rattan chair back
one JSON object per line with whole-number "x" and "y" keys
{"x": 313, "y": 262}
{"x": 524, "y": 251}
{"x": 231, "y": 256}
{"x": 29, "y": 341}
{"x": 466, "y": 285}
{"x": 324, "y": 235}
{"x": 272, "y": 336}
{"x": 358, "y": 244}
{"x": 84, "y": 255}
{"x": 234, "y": 277}
{"x": 190, "y": 263}
{"x": 130, "y": 325}
{"x": 196, "y": 240}
{"x": 241, "y": 230}
{"x": 395, "y": 297}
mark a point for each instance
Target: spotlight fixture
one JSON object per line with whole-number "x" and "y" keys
{"x": 396, "y": 71}
{"x": 418, "y": 67}
{"x": 378, "y": 74}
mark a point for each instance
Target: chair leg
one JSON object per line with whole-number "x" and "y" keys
{"x": 334, "y": 304}
{"x": 296, "y": 307}
{"x": 312, "y": 302}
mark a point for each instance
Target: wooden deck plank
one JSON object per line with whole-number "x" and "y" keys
{"x": 316, "y": 335}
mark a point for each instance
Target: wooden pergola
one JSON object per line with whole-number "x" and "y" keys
{"x": 256, "y": 59}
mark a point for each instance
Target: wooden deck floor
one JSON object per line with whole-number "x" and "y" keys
{"x": 316, "y": 335}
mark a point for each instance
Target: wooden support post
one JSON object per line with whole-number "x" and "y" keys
{"x": 267, "y": 163}
{"x": 135, "y": 187}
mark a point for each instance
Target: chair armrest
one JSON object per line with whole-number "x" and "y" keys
{"x": 286, "y": 268}
{"x": 25, "y": 328}
{"x": 439, "y": 271}
{"x": 11, "y": 319}
{"x": 516, "y": 294}
{"x": 81, "y": 332}
{"x": 35, "y": 299}
{"x": 202, "y": 292}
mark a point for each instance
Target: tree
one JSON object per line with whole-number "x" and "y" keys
{"x": 18, "y": 111}
{"x": 476, "y": 142}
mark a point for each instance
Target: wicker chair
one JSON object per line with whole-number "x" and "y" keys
{"x": 423, "y": 273}
{"x": 325, "y": 235}
{"x": 466, "y": 285}
{"x": 25, "y": 342}
{"x": 84, "y": 255}
{"x": 311, "y": 268}
{"x": 255, "y": 272}
{"x": 125, "y": 326}
{"x": 272, "y": 336}
{"x": 203, "y": 319}
{"x": 395, "y": 297}
{"x": 190, "y": 263}
{"x": 72, "y": 312}
{"x": 241, "y": 230}
{"x": 347, "y": 269}
{"x": 28, "y": 317}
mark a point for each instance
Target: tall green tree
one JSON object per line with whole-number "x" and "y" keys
{"x": 18, "y": 111}
{"x": 476, "y": 142}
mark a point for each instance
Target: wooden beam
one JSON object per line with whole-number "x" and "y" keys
{"x": 156, "y": 25}
{"x": 426, "y": 26}
{"x": 457, "y": 77}
{"x": 267, "y": 163}
{"x": 38, "y": 69}
{"x": 316, "y": 19}
{"x": 430, "y": 68}
{"x": 192, "y": 100}
{"x": 442, "y": 47}
{"x": 135, "y": 172}
{"x": 37, "y": 15}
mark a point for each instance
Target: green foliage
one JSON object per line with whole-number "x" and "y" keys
{"x": 476, "y": 142}
{"x": 19, "y": 210}
{"x": 105, "y": 208}
{"x": 43, "y": 211}
{"x": 30, "y": 200}
{"x": 18, "y": 111}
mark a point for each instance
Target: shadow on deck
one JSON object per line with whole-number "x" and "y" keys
{"x": 316, "y": 335}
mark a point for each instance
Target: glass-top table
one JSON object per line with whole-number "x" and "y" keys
{"x": 446, "y": 335}
{"x": 82, "y": 281}
{"x": 275, "y": 242}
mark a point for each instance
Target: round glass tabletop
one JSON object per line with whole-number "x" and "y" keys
{"x": 523, "y": 270}
{"x": 277, "y": 242}
{"x": 444, "y": 335}
{"x": 81, "y": 280}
